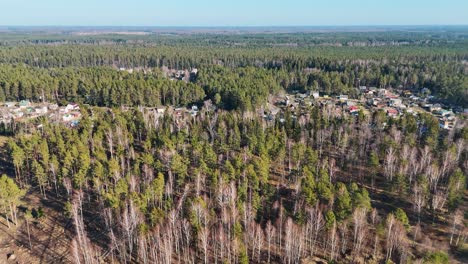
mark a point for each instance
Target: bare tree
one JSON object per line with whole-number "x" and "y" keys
{"x": 426, "y": 157}
{"x": 419, "y": 199}
{"x": 85, "y": 251}
{"x": 333, "y": 241}
{"x": 438, "y": 201}
{"x": 395, "y": 238}
{"x": 343, "y": 230}
{"x": 293, "y": 242}
{"x": 433, "y": 174}
{"x": 315, "y": 224}
{"x": 460, "y": 147}
{"x": 457, "y": 218}
{"x": 360, "y": 228}
{"x": 448, "y": 162}
{"x": 270, "y": 231}
{"x": 332, "y": 168}
{"x": 203, "y": 238}
{"x": 390, "y": 163}
{"x": 390, "y": 241}
{"x": 260, "y": 240}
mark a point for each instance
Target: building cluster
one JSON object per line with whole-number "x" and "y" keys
{"x": 25, "y": 110}
{"x": 397, "y": 102}
{"x": 178, "y": 113}
{"x": 370, "y": 99}
{"x": 182, "y": 75}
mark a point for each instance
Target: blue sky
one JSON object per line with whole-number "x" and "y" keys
{"x": 233, "y": 13}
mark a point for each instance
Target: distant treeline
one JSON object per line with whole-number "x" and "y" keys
{"x": 237, "y": 71}
{"x": 241, "y": 37}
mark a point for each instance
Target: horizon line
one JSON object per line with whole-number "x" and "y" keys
{"x": 247, "y": 26}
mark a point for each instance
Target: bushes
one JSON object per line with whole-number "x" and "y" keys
{"x": 438, "y": 257}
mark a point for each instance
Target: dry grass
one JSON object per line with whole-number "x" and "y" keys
{"x": 3, "y": 141}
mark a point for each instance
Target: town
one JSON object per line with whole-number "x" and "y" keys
{"x": 393, "y": 102}
{"x": 25, "y": 110}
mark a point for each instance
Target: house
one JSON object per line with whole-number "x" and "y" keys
{"x": 194, "y": 111}
{"x": 401, "y": 106}
{"x": 74, "y": 123}
{"x": 374, "y": 101}
{"x": 343, "y": 97}
{"x": 445, "y": 124}
{"x": 24, "y": 103}
{"x": 435, "y": 107}
{"x": 274, "y": 111}
{"x": 53, "y": 107}
{"x": 180, "y": 74}
{"x": 193, "y": 73}
{"x": 391, "y": 95}
{"x": 395, "y": 102}
{"x": 353, "y": 109}
{"x": 72, "y": 107}
{"x": 444, "y": 112}
{"x": 382, "y": 92}
{"x": 67, "y": 117}
{"x": 41, "y": 110}
{"x": 160, "y": 110}
{"x": 425, "y": 91}
{"x": 407, "y": 93}
{"x": 315, "y": 95}
{"x": 392, "y": 112}
{"x": 370, "y": 92}
{"x": 307, "y": 102}
{"x": 10, "y": 104}
{"x": 18, "y": 114}
{"x": 380, "y": 105}
{"x": 178, "y": 112}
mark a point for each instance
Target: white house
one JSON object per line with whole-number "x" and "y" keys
{"x": 24, "y": 103}
{"x": 53, "y": 106}
{"x": 72, "y": 107}
{"x": 67, "y": 117}
{"x": 343, "y": 97}
{"x": 160, "y": 110}
{"x": 395, "y": 102}
{"x": 10, "y": 104}
{"x": 41, "y": 110}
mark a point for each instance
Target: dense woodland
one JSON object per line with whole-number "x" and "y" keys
{"x": 75, "y": 71}
{"x": 228, "y": 186}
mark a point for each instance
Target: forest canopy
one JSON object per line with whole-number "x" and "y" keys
{"x": 200, "y": 147}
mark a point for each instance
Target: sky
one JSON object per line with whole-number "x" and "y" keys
{"x": 232, "y": 12}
